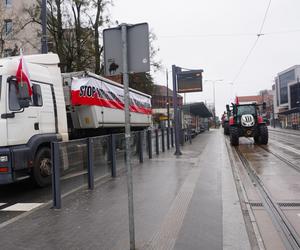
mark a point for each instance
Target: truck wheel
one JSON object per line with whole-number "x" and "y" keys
{"x": 256, "y": 139}
{"x": 234, "y": 136}
{"x": 42, "y": 169}
{"x": 264, "y": 135}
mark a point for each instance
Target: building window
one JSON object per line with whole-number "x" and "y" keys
{"x": 7, "y": 3}
{"x": 284, "y": 79}
{"x": 295, "y": 95}
{"x": 8, "y": 26}
{"x": 277, "y": 91}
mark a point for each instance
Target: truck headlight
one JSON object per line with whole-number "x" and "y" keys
{"x": 3, "y": 158}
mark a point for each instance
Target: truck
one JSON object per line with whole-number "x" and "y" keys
{"x": 61, "y": 107}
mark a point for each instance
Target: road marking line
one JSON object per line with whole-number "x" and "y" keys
{"x": 22, "y": 207}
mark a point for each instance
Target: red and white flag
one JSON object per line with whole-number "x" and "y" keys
{"x": 237, "y": 100}
{"x": 23, "y": 76}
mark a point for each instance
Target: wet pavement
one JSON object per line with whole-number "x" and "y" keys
{"x": 188, "y": 202}
{"x": 276, "y": 166}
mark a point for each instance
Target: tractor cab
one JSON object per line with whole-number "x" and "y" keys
{"x": 245, "y": 120}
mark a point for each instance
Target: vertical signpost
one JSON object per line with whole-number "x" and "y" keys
{"x": 175, "y": 106}
{"x": 126, "y": 49}
{"x": 183, "y": 82}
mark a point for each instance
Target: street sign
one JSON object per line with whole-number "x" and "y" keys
{"x": 138, "y": 49}
{"x": 189, "y": 81}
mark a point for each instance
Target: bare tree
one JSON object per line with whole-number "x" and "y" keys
{"x": 98, "y": 21}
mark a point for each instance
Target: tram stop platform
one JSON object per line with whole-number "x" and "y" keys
{"x": 186, "y": 202}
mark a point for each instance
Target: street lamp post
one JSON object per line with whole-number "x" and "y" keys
{"x": 214, "y": 98}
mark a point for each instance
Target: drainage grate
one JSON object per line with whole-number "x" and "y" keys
{"x": 289, "y": 204}
{"x": 256, "y": 204}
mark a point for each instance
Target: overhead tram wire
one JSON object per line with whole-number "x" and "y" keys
{"x": 254, "y": 44}
{"x": 280, "y": 32}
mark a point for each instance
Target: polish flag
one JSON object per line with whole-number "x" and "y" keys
{"x": 23, "y": 76}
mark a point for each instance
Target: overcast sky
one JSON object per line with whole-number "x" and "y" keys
{"x": 216, "y": 36}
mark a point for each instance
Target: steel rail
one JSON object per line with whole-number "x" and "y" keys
{"x": 284, "y": 159}
{"x": 289, "y": 235}
{"x": 283, "y": 132}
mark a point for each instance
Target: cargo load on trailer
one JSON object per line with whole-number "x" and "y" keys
{"x": 39, "y": 105}
{"x": 94, "y": 102}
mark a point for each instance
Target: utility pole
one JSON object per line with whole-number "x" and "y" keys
{"x": 44, "y": 27}
{"x": 214, "y": 97}
{"x": 176, "y": 115}
{"x": 168, "y": 101}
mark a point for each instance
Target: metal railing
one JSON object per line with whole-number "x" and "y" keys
{"x": 103, "y": 156}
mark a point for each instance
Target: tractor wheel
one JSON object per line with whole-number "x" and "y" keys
{"x": 256, "y": 139}
{"x": 263, "y": 134}
{"x": 234, "y": 136}
{"x": 226, "y": 129}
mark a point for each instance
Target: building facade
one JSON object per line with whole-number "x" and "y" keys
{"x": 16, "y": 29}
{"x": 287, "y": 97}
{"x": 161, "y": 97}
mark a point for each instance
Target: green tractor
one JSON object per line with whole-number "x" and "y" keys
{"x": 246, "y": 121}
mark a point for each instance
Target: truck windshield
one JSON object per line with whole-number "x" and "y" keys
{"x": 243, "y": 110}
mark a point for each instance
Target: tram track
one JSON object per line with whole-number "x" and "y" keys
{"x": 274, "y": 131}
{"x": 290, "y": 237}
{"x": 282, "y": 158}
{"x": 278, "y": 156}
{"x": 288, "y": 234}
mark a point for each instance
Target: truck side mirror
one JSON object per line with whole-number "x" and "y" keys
{"x": 227, "y": 108}
{"x": 24, "y": 103}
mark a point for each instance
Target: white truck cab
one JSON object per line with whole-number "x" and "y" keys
{"x": 28, "y": 132}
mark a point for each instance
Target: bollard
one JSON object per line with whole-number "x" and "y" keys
{"x": 168, "y": 138}
{"x": 149, "y": 141}
{"x": 156, "y": 141}
{"x": 172, "y": 137}
{"x": 182, "y": 137}
{"x": 112, "y": 154}
{"x": 141, "y": 153}
{"x": 56, "y": 191}
{"x": 163, "y": 140}
{"x": 190, "y": 136}
{"x": 90, "y": 163}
